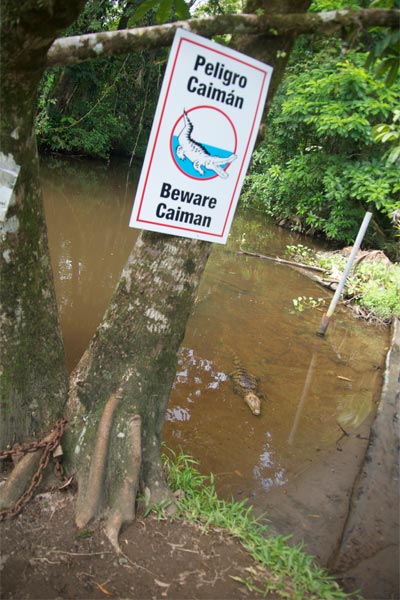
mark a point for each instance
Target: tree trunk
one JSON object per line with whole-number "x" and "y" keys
{"x": 33, "y": 373}
{"x": 126, "y": 376}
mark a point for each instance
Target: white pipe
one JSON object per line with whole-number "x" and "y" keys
{"x": 325, "y": 319}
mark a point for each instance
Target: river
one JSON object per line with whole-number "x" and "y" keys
{"x": 314, "y": 388}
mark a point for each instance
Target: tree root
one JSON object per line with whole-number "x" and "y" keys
{"x": 19, "y": 478}
{"x": 123, "y": 511}
{"x": 88, "y": 507}
{"x": 22, "y": 476}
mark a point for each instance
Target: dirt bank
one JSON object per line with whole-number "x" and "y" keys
{"x": 368, "y": 554}
{"x": 44, "y": 556}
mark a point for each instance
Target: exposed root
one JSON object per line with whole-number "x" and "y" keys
{"x": 28, "y": 472}
{"x": 89, "y": 506}
{"x": 19, "y": 478}
{"x": 123, "y": 510}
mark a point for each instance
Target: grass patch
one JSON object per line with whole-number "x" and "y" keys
{"x": 280, "y": 568}
{"x": 372, "y": 285}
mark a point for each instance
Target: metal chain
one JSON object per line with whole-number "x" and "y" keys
{"x": 49, "y": 445}
{"x": 22, "y": 449}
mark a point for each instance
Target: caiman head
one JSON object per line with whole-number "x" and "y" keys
{"x": 253, "y": 402}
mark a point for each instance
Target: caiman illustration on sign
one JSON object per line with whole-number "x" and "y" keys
{"x": 198, "y": 154}
{"x": 246, "y": 385}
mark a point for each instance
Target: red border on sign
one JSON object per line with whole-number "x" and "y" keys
{"x": 200, "y": 231}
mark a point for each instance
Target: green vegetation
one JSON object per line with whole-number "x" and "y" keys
{"x": 104, "y": 106}
{"x": 302, "y": 303}
{"x": 281, "y": 569}
{"x": 332, "y": 145}
{"x": 331, "y": 148}
{"x": 164, "y": 9}
{"x": 389, "y": 134}
{"x": 373, "y": 286}
{"x": 376, "y": 287}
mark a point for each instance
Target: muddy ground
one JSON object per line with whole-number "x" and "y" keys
{"x": 345, "y": 508}
{"x": 44, "y": 556}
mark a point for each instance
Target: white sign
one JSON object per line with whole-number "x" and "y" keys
{"x": 9, "y": 171}
{"x": 203, "y": 134}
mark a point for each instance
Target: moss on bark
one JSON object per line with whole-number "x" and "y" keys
{"x": 33, "y": 375}
{"x": 134, "y": 354}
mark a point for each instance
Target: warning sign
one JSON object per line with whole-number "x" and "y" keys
{"x": 203, "y": 134}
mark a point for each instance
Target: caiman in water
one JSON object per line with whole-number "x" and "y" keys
{"x": 246, "y": 385}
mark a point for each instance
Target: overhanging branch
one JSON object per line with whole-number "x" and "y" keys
{"x": 76, "y": 49}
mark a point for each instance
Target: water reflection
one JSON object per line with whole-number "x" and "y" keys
{"x": 87, "y": 211}
{"x": 196, "y": 370}
{"x": 245, "y": 308}
{"x": 177, "y": 414}
{"x": 313, "y": 388}
{"x": 267, "y": 463}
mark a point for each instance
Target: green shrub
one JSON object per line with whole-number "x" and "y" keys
{"x": 320, "y": 167}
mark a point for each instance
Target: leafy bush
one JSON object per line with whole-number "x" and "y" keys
{"x": 320, "y": 167}
{"x": 389, "y": 134}
{"x": 376, "y": 287}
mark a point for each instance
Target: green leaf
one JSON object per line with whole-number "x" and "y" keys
{"x": 164, "y": 11}
{"x": 142, "y": 9}
{"x": 394, "y": 69}
{"x": 394, "y": 155}
{"x": 181, "y": 9}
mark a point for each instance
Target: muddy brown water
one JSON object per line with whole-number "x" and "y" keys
{"x": 244, "y": 309}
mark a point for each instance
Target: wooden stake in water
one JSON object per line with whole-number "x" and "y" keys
{"x": 323, "y": 326}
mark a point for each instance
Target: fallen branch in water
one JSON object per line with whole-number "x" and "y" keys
{"x": 282, "y": 260}
{"x": 330, "y": 282}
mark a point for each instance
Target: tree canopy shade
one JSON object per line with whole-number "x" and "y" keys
{"x": 93, "y": 107}
{"x": 119, "y": 391}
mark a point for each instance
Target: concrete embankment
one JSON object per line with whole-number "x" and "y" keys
{"x": 368, "y": 554}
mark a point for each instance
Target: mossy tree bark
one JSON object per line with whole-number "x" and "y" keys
{"x": 125, "y": 378}
{"x": 33, "y": 373}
